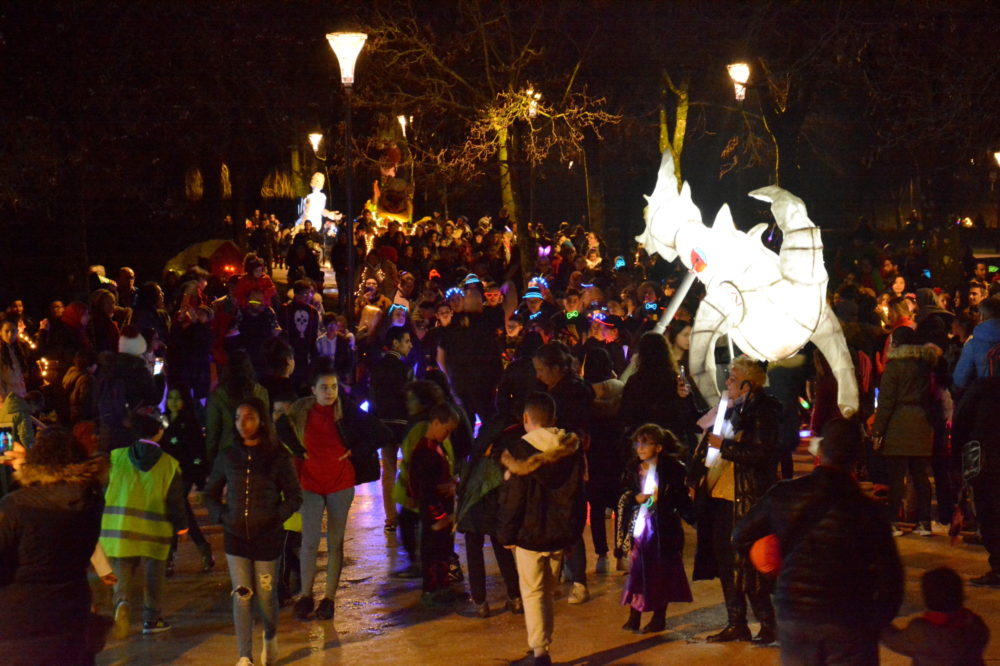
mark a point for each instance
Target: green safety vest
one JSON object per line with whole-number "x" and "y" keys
{"x": 135, "y": 522}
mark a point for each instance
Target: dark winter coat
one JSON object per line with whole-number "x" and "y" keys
{"x": 840, "y": 563}
{"x": 479, "y": 491}
{"x": 48, "y": 531}
{"x": 755, "y": 464}
{"x": 123, "y": 384}
{"x": 959, "y": 641}
{"x": 574, "y": 400}
{"x": 975, "y": 418}
{"x": 542, "y": 503}
{"x": 390, "y": 375}
{"x": 652, "y": 398}
{"x": 903, "y": 416}
{"x": 672, "y": 504}
{"x": 184, "y": 439}
{"x": 262, "y": 492}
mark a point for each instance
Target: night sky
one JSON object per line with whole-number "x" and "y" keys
{"x": 869, "y": 109}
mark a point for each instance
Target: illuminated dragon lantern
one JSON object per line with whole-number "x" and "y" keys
{"x": 769, "y": 304}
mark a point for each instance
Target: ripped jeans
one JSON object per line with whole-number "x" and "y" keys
{"x": 253, "y": 578}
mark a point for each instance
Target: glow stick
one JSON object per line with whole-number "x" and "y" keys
{"x": 712, "y": 454}
{"x": 648, "y": 488}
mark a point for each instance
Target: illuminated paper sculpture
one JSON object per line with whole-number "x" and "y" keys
{"x": 770, "y": 304}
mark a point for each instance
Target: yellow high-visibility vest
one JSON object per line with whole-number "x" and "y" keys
{"x": 135, "y": 522}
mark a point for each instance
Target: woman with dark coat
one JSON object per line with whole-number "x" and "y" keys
{"x": 653, "y": 394}
{"x": 184, "y": 439}
{"x": 48, "y": 531}
{"x": 746, "y": 468}
{"x": 262, "y": 492}
{"x": 903, "y": 428}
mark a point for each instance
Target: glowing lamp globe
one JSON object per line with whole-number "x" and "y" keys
{"x": 347, "y": 46}
{"x": 739, "y": 72}
{"x": 315, "y": 138}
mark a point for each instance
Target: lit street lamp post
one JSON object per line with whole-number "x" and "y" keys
{"x": 346, "y": 46}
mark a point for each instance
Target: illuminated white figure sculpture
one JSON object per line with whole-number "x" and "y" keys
{"x": 770, "y": 304}
{"x": 314, "y": 205}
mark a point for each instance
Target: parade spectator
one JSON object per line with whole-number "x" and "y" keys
{"x": 103, "y": 329}
{"x": 574, "y": 399}
{"x": 257, "y": 325}
{"x": 300, "y": 325}
{"x": 48, "y": 530}
{"x": 336, "y": 343}
{"x": 477, "y": 515}
{"x": 336, "y": 444}
{"x": 974, "y": 431}
{"x": 144, "y": 509}
{"x": 431, "y": 482}
{"x": 469, "y": 354}
{"x": 902, "y": 429}
{"x": 839, "y": 579}
{"x": 654, "y": 392}
{"x": 751, "y": 456}
{"x": 542, "y": 512}
{"x": 655, "y": 499}
{"x": 236, "y": 384}
{"x": 389, "y": 377}
{"x": 124, "y": 384}
{"x": 947, "y": 632}
{"x": 184, "y": 440}
{"x": 79, "y": 385}
{"x": 974, "y": 362}
{"x": 261, "y": 492}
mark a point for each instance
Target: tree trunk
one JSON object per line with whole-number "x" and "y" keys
{"x": 506, "y": 176}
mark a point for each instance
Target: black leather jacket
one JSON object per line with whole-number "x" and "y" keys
{"x": 840, "y": 562}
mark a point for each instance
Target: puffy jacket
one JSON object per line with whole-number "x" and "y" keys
{"x": 48, "y": 530}
{"x": 840, "y": 563}
{"x": 542, "y": 503}
{"x": 262, "y": 492}
{"x": 904, "y": 402}
{"x": 972, "y": 362}
{"x": 220, "y": 418}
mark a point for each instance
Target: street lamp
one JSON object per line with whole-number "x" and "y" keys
{"x": 739, "y": 72}
{"x": 315, "y": 139}
{"x": 402, "y": 124}
{"x": 347, "y": 46}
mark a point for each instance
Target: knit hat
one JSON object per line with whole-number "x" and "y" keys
{"x": 132, "y": 342}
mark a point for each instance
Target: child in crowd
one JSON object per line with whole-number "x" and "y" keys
{"x": 947, "y": 634}
{"x": 432, "y": 484}
{"x": 650, "y": 527}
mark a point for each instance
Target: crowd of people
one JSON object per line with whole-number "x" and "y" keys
{"x": 497, "y": 389}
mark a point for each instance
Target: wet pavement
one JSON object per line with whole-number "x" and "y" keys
{"x": 379, "y": 619}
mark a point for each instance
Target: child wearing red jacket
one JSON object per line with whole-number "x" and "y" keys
{"x": 432, "y": 485}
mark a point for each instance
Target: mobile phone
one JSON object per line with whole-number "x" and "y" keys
{"x": 158, "y": 366}
{"x": 6, "y": 440}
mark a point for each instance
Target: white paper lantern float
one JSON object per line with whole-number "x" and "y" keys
{"x": 770, "y": 304}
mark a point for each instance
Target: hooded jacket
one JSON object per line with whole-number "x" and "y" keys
{"x": 542, "y": 504}
{"x": 972, "y": 363}
{"x": 903, "y": 415}
{"x": 48, "y": 531}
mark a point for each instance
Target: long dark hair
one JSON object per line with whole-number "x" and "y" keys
{"x": 237, "y": 376}
{"x": 9, "y": 351}
{"x": 266, "y": 435}
{"x": 187, "y": 413}
{"x": 654, "y": 356}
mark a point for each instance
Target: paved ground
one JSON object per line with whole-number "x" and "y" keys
{"x": 379, "y": 620}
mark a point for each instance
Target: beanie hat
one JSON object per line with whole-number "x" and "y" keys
{"x": 132, "y": 342}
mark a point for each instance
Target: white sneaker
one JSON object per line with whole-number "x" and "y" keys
{"x": 602, "y": 564}
{"x": 269, "y": 653}
{"x": 578, "y": 594}
{"x": 244, "y": 661}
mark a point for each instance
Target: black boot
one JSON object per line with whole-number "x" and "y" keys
{"x": 634, "y": 617}
{"x": 764, "y": 611}
{"x": 658, "y": 623}
{"x": 732, "y": 632}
